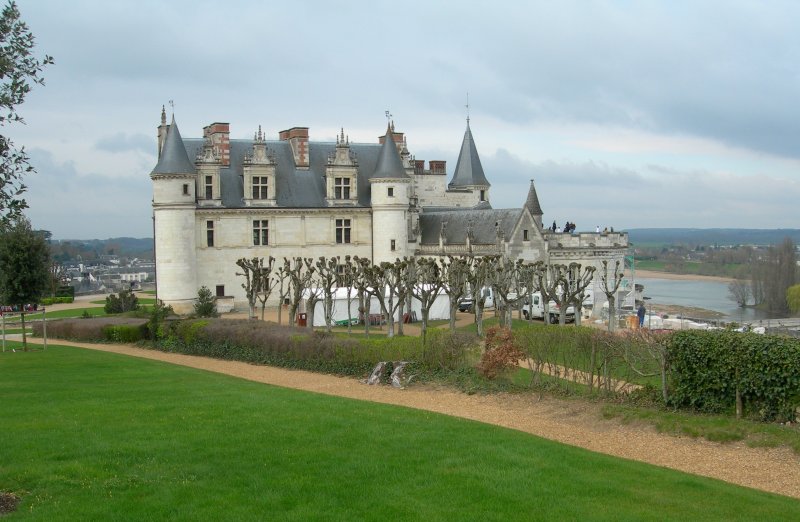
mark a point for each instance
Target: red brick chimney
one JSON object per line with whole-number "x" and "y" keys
{"x": 438, "y": 166}
{"x": 298, "y": 140}
{"x": 220, "y": 135}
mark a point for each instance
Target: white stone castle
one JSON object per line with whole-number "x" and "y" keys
{"x": 216, "y": 200}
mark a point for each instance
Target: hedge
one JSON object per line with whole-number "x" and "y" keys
{"x": 707, "y": 369}
{"x": 56, "y": 300}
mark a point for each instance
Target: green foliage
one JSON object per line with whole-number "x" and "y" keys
{"x": 55, "y": 300}
{"x": 126, "y": 302}
{"x": 206, "y": 305}
{"x": 125, "y": 333}
{"x": 707, "y": 369}
{"x": 158, "y": 313}
{"x": 24, "y": 264}
{"x": 793, "y": 298}
{"x": 18, "y": 72}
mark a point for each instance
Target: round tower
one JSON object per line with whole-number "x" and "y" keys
{"x": 174, "y": 223}
{"x": 390, "y": 195}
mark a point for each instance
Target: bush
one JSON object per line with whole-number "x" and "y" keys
{"x": 56, "y": 300}
{"x": 708, "y": 369}
{"x": 206, "y": 305}
{"x": 502, "y": 352}
{"x": 88, "y": 330}
{"x": 124, "y": 333}
{"x": 124, "y": 303}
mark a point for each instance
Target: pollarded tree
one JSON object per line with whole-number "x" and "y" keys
{"x": 455, "y": 274}
{"x": 610, "y": 285}
{"x": 19, "y": 71}
{"x": 576, "y": 280}
{"x": 251, "y": 271}
{"x": 328, "y": 278}
{"x": 24, "y": 267}
{"x": 480, "y": 277}
{"x": 425, "y": 283}
{"x": 266, "y": 283}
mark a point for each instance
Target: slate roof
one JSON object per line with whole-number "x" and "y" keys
{"x": 484, "y": 230}
{"x": 468, "y": 167}
{"x": 389, "y": 163}
{"x": 532, "y": 203}
{"x": 174, "y": 159}
{"x": 295, "y": 188}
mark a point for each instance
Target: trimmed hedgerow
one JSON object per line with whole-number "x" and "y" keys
{"x": 92, "y": 330}
{"x": 46, "y": 301}
{"x": 125, "y": 333}
{"x": 265, "y": 343}
{"x": 707, "y": 369}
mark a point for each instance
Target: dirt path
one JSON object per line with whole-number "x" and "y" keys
{"x": 572, "y": 422}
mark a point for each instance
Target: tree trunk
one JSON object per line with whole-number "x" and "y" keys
{"x": 24, "y": 335}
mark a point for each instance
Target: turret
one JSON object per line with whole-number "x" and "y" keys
{"x": 174, "y": 222}
{"x": 390, "y": 195}
{"x": 469, "y": 171}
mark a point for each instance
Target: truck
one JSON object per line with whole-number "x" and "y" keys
{"x": 535, "y": 310}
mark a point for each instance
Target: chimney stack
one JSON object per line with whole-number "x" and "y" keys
{"x": 298, "y": 140}
{"x": 220, "y": 136}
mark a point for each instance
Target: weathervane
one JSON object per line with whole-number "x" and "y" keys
{"x": 388, "y": 117}
{"x": 467, "y": 106}
{"x": 172, "y": 106}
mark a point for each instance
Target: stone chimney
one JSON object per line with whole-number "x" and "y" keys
{"x": 298, "y": 140}
{"x": 438, "y": 167}
{"x": 219, "y": 134}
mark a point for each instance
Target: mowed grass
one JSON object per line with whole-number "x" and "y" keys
{"x": 97, "y": 436}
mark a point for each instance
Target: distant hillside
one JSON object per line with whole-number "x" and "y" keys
{"x": 711, "y": 236}
{"x": 67, "y": 250}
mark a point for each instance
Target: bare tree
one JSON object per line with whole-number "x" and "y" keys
{"x": 312, "y": 290}
{"x": 425, "y": 281}
{"x": 577, "y": 280}
{"x": 266, "y": 284}
{"x": 739, "y": 290}
{"x": 282, "y": 281}
{"x": 251, "y": 270}
{"x": 328, "y": 278}
{"x": 299, "y": 279}
{"x": 362, "y": 281}
{"x": 479, "y": 278}
{"x": 455, "y": 276}
{"x": 549, "y": 284}
{"x": 347, "y": 281}
{"x": 506, "y": 284}
{"x": 58, "y": 277}
{"x": 610, "y": 285}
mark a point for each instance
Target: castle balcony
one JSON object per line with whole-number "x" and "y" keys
{"x": 585, "y": 240}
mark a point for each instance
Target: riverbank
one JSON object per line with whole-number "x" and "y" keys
{"x": 652, "y": 274}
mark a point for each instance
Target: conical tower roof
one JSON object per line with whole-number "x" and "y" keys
{"x": 468, "y": 167}
{"x": 532, "y": 203}
{"x": 174, "y": 158}
{"x": 389, "y": 163}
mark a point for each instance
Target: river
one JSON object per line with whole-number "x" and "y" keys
{"x": 711, "y": 295}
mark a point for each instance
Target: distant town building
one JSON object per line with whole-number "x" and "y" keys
{"x": 217, "y": 199}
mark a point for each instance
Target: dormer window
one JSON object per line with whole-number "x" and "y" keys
{"x": 341, "y": 188}
{"x": 209, "y": 187}
{"x": 260, "y": 187}
{"x": 525, "y": 234}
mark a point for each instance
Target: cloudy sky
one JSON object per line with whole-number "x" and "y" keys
{"x": 626, "y": 114}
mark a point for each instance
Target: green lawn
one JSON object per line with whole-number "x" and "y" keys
{"x": 96, "y": 436}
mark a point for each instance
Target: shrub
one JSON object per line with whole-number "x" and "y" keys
{"x": 126, "y": 302}
{"x": 502, "y": 352}
{"x": 124, "y": 333}
{"x": 709, "y": 369}
{"x": 56, "y": 300}
{"x": 86, "y": 330}
{"x": 206, "y": 305}
{"x": 158, "y": 313}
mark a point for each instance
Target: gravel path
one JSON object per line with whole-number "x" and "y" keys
{"x": 572, "y": 422}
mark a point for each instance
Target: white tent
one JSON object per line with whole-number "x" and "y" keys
{"x": 439, "y": 310}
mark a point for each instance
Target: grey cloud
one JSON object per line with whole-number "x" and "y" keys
{"x": 122, "y": 142}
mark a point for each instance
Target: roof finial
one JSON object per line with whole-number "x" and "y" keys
{"x": 172, "y": 108}
{"x": 163, "y": 116}
{"x": 388, "y": 120}
{"x": 467, "y": 106}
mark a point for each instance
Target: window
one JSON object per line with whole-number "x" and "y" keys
{"x": 220, "y": 290}
{"x": 209, "y": 187}
{"x": 525, "y": 234}
{"x": 393, "y": 244}
{"x": 341, "y": 188}
{"x": 390, "y": 192}
{"x": 260, "y": 187}
{"x": 260, "y": 232}
{"x": 210, "y": 233}
{"x": 342, "y": 230}
{"x": 483, "y": 195}
{"x": 185, "y": 189}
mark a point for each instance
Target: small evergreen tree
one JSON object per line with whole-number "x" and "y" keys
{"x": 206, "y": 305}
{"x": 24, "y": 267}
{"x": 126, "y": 302}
